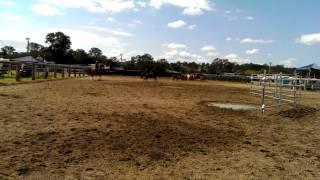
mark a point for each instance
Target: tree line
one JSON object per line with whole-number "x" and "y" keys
{"x": 59, "y": 51}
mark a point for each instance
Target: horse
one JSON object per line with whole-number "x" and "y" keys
{"x": 148, "y": 75}
{"x": 176, "y": 77}
{"x": 97, "y": 70}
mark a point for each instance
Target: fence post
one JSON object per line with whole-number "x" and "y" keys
{"x": 300, "y": 86}
{"x": 263, "y": 90}
{"x": 54, "y": 71}
{"x": 34, "y": 67}
{"x": 74, "y": 73}
{"x": 18, "y": 66}
{"x": 276, "y": 86}
{"x": 280, "y": 90}
{"x": 10, "y": 70}
{"x": 46, "y": 72}
{"x": 69, "y": 72}
{"x": 295, "y": 89}
{"x": 62, "y": 71}
{"x": 251, "y": 78}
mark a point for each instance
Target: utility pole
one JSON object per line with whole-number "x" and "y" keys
{"x": 121, "y": 55}
{"x": 28, "y": 44}
{"x": 270, "y": 64}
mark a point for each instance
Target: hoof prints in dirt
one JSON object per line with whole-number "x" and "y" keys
{"x": 141, "y": 143}
{"x": 13, "y": 96}
{"x": 93, "y": 94}
{"x": 298, "y": 113}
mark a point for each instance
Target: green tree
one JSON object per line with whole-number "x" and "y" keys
{"x": 35, "y": 47}
{"x": 7, "y": 50}
{"x": 36, "y": 50}
{"x": 80, "y": 56}
{"x": 161, "y": 65}
{"x": 131, "y": 65}
{"x": 95, "y": 52}
{"x": 145, "y": 62}
{"x": 59, "y": 47}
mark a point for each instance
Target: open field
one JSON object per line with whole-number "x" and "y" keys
{"x": 127, "y": 128}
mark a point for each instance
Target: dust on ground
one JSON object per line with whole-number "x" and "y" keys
{"x": 128, "y": 128}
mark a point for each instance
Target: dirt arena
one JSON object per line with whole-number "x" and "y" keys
{"x": 127, "y": 128}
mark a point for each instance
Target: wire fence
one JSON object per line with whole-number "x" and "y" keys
{"x": 11, "y": 71}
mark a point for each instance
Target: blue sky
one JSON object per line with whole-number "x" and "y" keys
{"x": 282, "y": 32}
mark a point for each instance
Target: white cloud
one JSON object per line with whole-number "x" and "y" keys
{"x": 81, "y": 39}
{"x": 135, "y": 23}
{"x": 132, "y": 25}
{"x": 255, "y": 41}
{"x": 177, "y": 24}
{"x": 176, "y": 46}
{"x": 121, "y": 33}
{"x": 11, "y": 18}
{"x": 192, "y": 27}
{"x": 235, "y": 58}
{"x": 290, "y": 62}
{"x": 138, "y": 22}
{"x": 252, "y": 51}
{"x": 231, "y": 56}
{"x": 7, "y": 2}
{"x": 45, "y": 10}
{"x": 132, "y": 53}
{"x": 208, "y": 48}
{"x": 192, "y": 11}
{"x": 184, "y": 53}
{"x": 94, "y": 6}
{"x": 250, "y": 18}
{"x": 142, "y": 3}
{"x": 172, "y": 53}
{"x": 309, "y": 39}
{"x": 228, "y": 12}
{"x": 212, "y": 54}
{"x": 182, "y": 56}
{"x": 197, "y": 57}
{"x": 115, "y": 52}
{"x": 110, "y": 19}
{"x": 111, "y": 31}
{"x": 191, "y": 7}
{"x": 228, "y": 38}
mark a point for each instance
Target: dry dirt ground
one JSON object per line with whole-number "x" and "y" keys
{"x": 128, "y": 128}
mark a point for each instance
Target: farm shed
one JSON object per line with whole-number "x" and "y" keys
{"x": 312, "y": 70}
{"x": 26, "y": 59}
{"x": 312, "y": 73}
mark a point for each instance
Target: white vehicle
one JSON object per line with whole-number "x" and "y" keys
{"x": 313, "y": 84}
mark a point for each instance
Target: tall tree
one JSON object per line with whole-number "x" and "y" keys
{"x": 35, "y": 47}
{"x": 145, "y": 62}
{"x": 8, "y": 50}
{"x": 95, "y": 52}
{"x": 59, "y": 45}
{"x": 36, "y": 50}
{"x": 80, "y": 56}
